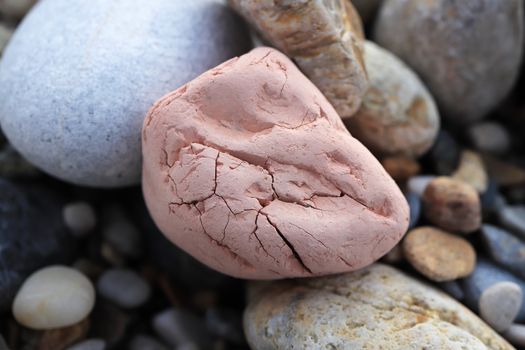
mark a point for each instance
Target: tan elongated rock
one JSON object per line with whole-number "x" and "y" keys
{"x": 468, "y": 52}
{"x": 398, "y": 115}
{"x": 325, "y": 38}
{"x": 250, "y": 170}
{"x": 472, "y": 171}
{"x": 374, "y": 308}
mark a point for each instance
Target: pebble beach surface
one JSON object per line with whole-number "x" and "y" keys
{"x": 247, "y": 174}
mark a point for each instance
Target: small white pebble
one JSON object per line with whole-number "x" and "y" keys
{"x": 53, "y": 297}
{"x": 80, "y": 218}
{"x": 500, "y": 304}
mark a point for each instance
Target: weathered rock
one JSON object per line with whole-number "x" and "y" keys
{"x": 398, "y": 116}
{"x": 54, "y": 297}
{"x": 452, "y": 205}
{"x": 374, "y": 308}
{"x": 499, "y": 304}
{"x": 439, "y": 255}
{"x": 75, "y": 89}
{"x": 32, "y": 235}
{"x": 248, "y": 167}
{"x": 504, "y": 248}
{"x": 468, "y": 52}
{"x": 324, "y": 38}
{"x": 472, "y": 171}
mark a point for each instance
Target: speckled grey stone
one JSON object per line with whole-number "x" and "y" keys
{"x": 499, "y": 304}
{"x": 468, "y": 52}
{"x": 485, "y": 275}
{"x": 504, "y": 248}
{"x": 75, "y": 89}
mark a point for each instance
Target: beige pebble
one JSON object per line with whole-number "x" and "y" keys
{"x": 53, "y": 297}
{"x": 452, "y": 205}
{"x": 472, "y": 171}
{"x": 439, "y": 255}
{"x": 398, "y": 115}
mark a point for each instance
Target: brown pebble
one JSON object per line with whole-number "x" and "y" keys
{"x": 400, "y": 167}
{"x": 452, "y": 205}
{"x": 439, "y": 255}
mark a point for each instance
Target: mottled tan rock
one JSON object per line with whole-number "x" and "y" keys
{"x": 378, "y": 307}
{"x": 452, "y": 205}
{"x": 439, "y": 255}
{"x": 472, "y": 171}
{"x": 398, "y": 115}
{"x": 504, "y": 173}
{"x": 468, "y": 52}
{"x": 325, "y": 38}
{"x": 401, "y": 167}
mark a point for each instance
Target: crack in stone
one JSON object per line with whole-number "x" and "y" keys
{"x": 290, "y": 245}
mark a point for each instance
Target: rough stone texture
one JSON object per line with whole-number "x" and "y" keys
{"x": 398, "y": 116}
{"x": 32, "y": 235}
{"x": 53, "y": 297}
{"x": 485, "y": 275}
{"x": 53, "y": 109}
{"x": 504, "y": 248}
{"x": 499, "y": 304}
{"x": 472, "y": 171}
{"x": 452, "y": 205}
{"x": 325, "y": 39}
{"x": 374, "y": 308}
{"x": 250, "y": 169}
{"x": 439, "y": 255}
{"x": 468, "y": 52}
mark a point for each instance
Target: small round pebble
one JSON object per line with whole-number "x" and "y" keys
{"x": 489, "y": 137}
{"x": 89, "y": 344}
{"x": 452, "y": 205}
{"x": 123, "y": 236}
{"x": 53, "y": 297}
{"x": 439, "y": 255}
{"x": 472, "y": 171}
{"x": 499, "y": 304}
{"x": 179, "y": 327}
{"x": 80, "y": 217}
{"x": 124, "y": 287}
{"x": 398, "y": 116}
{"x": 516, "y": 334}
{"x": 400, "y": 167}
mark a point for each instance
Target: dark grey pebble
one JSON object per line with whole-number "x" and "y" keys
{"x": 225, "y": 323}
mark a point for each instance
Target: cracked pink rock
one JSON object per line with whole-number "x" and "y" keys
{"x": 250, "y": 169}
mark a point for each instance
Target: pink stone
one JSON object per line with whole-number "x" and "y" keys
{"x": 249, "y": 169}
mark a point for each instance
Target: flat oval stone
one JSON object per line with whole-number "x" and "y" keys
{"x": 53, "y": 297}
{"x": 75, "y": 89}
{"x": 499, "y": 304}
{"x": 452, "y": 205}
{"x": 250, "y": 170}
{"x": 324, "y": 38}
{"x": 468, "y": 52}
{"x": 398, "y": 115}
{"x": 378, "y": 307}
{"x": 32, "y": 235}
{"x": 504, "y": 248}
{"x": 439, "y": 255}
{"x": 124, "y": 287}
